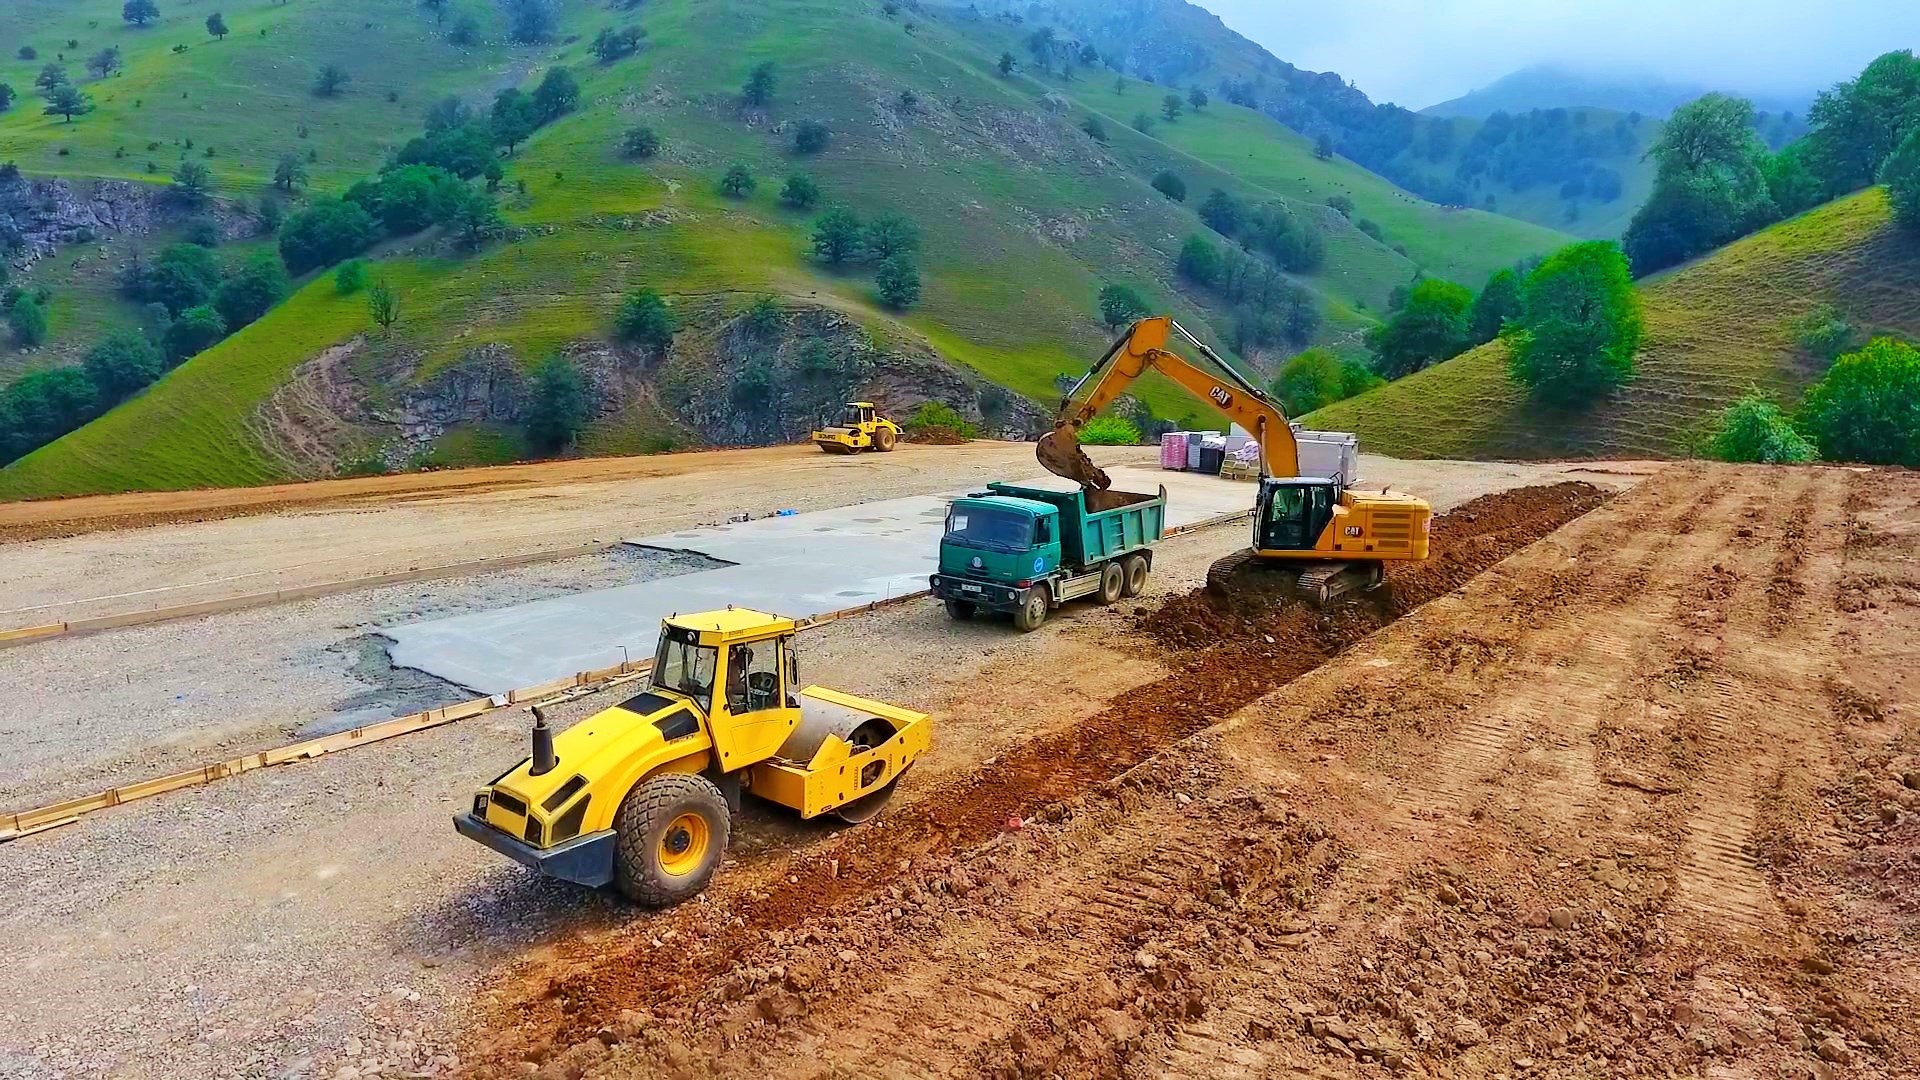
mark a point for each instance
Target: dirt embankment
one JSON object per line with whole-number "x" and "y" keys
{"x": 1226, "y": 655}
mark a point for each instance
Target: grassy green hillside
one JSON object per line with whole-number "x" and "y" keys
{"x": 1715, "y": 329}
{"x": 1024, "y": 217}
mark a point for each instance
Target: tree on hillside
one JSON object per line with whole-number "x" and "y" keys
{"x": 192, "y": 182}
{"x": 891, "y": 234}
{"x": 640, "y": 142}
{"x": 1858, "y": 123}
{"x": 1341, "y": 205}
{"x": 837, "y": 235}
{"x": 1166, "y": 183}
{"x": 325, "y": 233}
{"x": 472, "y": 216}
{"x": 51, "y": 76}
{"x": 194, "y": 331}
{"x": 1579, "y": 325}
{"x": 560, "y": 408}
{"x": 1095, "y": 130}
{"x": 1170, "y": 107}
{"x": 1710, "y": 187}
{"x": 104, "y": 63}
{"x": 439, "y": 9}
{"x": 1121, "y": 305}
{"x": 140, "y": 12}
{"x": 6, "y": 96}
{"x": 251, "y": 290}
{"x": 1901, "y": 174}
{"x": 383, "y": 303}
{"x": 1197, "y": 98}
{"x": 122, "y": 362}
{"x": 738, "y": 181}
{"x": 800, "y": 192}
{"x": 67, "y": 100}
{"x": 1007, "y": 64}
{"x": 217, "y": 26}
{"x": 610, "y": 44}
{"x": 758, "y": 91}
{"x": 1497, "y": 303}
{"x": 1323, "y": 146}
{"x": 289, "y": 172}
{"x": 1791, "y": 184}
{"x": 515, "y": 115}
{"x": 1317, "y": 378}
{"x": 644, "y": 320}
{"x": 41, "y": 407}
{"x": 1040, "y": 44}
{"x": 1867, "y": 406}
{"x": 1222, "y": 212}
{"x": 180, "y": 277}
{"x": 331, "y": 79}
{"x": 1433, "y": 326}
{"x": 557, "y": 94}
{"x": 811, "y": 137}
{"x": 898, "y": 282}
{"x": 28, "y": 321}
{"x": 532, "y": 21}
{"x": 446, "y": 114}
{"x": 1142, "y": 123}
{"x": 1199, "y": 261}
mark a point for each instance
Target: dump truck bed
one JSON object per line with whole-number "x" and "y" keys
{"x": 1116, "y": 523}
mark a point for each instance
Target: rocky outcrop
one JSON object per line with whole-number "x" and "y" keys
{"x": 37, "y": 216}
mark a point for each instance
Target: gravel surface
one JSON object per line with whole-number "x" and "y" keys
{"x": 113, "y": 707}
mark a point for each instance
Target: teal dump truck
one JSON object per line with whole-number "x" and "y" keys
{"x": 1026, "y": 551}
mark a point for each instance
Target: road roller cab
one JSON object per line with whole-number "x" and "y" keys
{"x": 640, "y": 795}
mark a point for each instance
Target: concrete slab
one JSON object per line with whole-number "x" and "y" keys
{"x": 798, "y": 566}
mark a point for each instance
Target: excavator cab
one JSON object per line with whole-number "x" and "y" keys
{"x": 1294, "y": 512}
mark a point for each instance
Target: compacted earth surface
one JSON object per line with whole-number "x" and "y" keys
{"x": 1639, "y": 799}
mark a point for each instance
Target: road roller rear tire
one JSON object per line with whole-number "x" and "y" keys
{"x": 883, "y": 440}
{"x": 670, "y": 835}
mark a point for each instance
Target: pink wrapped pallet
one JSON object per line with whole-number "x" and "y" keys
{"x": 1173, "y": 450}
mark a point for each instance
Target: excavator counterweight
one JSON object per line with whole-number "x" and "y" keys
{"x": 1322, "y": 537}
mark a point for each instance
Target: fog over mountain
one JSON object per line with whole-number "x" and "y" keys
{"x": 1418, "y": 53}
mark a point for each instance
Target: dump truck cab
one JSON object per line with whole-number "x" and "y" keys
{"x": 639, "y": 795}
{"x": 861, "y": 427}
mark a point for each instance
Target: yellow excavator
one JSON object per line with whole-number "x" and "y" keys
{"x": 1325, "y": 538}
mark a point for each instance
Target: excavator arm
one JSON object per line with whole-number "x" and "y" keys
{"x": 1144, "y": 348}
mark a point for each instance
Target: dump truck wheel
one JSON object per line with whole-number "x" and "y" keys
{"x": 1136, "y": 570}
{"x": 1113, "y": 582}
{"x": 672, "y": 830}
{"x": 1032, "y": 613}
{"x": 883, "y": 440}
{"x": 961, "y": 610}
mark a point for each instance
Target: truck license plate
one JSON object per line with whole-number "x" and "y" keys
{"x": 969, "y": 588}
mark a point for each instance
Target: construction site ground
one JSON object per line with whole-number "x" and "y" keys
{"x": 1639, "y": 798}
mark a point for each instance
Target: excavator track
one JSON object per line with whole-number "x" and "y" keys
{"x": 1318, "y": 583}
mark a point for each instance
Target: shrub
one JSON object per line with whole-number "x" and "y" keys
{"x": 1754, "y": 429}
{"x": 42, "y": 406}
{"x": 1432, "y": 326}
{"x": 1824, "y": 333}
{"x": 560, "y": 410}
{"x": 1110, "y": 431}
{"x": 255, "y": 287}
{"x": 1166, "y": 183}
{"x": 1341, "y": 205}
{"x": 764, "y": 316}
{"x": 1867, "y": 407}
{"x": 28, "y": 321}
{"x": 1199, "y": 261}
{"x": 181, "y": 276}
{"x": 898, "y": 281}
{"x": 644, "y": 320}
{"x": 800, "y": 192}
{"x": 122, "y": 362}
{"x": 933, "y": 416}
{"x": 197, "y": 329}
{"x": 1095, "y": 129}
{"x": 811, "y": 137}
{"x": 1901, "y": 174}
{"x": 325, "y": 233}
{"x": 351, "y": 277}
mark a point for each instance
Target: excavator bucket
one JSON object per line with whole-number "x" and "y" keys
{"x": 1060, "y": 454}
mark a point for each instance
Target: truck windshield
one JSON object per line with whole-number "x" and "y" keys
{"x": 985, "y": 527}
{"x": 685, "y": 666}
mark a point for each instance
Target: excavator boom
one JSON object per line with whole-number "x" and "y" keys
{"x": 1143, "y": 348}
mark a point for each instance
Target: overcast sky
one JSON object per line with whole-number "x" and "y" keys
{"x": 1421, "y": 52}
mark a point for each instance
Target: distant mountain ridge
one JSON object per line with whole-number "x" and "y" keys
{"x": 1554, "y": 86}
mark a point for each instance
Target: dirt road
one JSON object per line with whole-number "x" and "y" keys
{"x": 1639, "y": 800}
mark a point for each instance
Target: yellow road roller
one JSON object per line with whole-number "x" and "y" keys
{"x": 640, "y": 796}
{"x": 861, "y": 428}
